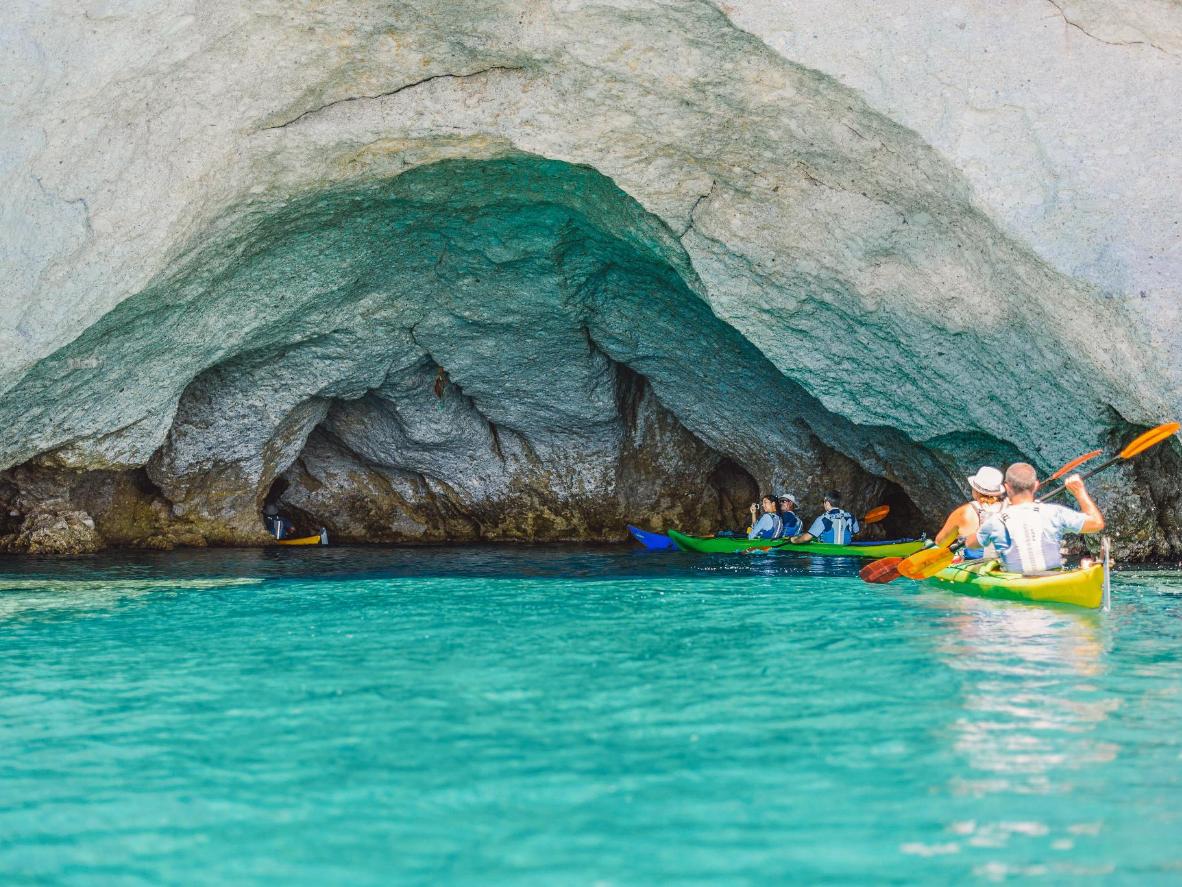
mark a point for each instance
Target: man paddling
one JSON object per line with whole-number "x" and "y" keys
{"x": 988, "y": 493}
{"x": 1027, "y": 534}
{"x": 834, "y": 525}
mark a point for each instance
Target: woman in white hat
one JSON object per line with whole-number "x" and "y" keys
{"x": 988, "y": 492}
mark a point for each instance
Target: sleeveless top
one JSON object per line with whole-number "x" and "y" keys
{"x": 984, "y": 512}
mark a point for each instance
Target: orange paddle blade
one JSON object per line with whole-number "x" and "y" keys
{"x": 1150, "y": 438}
{"x": 881, "y": 571}
{"x": 874, "y": 515}
{"x": 1075, "y": 463}
{"x": 927, "y": 563}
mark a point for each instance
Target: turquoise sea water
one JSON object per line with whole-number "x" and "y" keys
{"x": 575, "y": 716}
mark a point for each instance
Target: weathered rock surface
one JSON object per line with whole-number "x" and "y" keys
{"x": 653, "y": 264}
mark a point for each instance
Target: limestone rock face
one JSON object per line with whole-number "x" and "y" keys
{"x": 527, "y": 271}
{"x": 58, "y": 532}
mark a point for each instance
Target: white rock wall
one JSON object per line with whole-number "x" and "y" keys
{"x": 1064, "y": 115}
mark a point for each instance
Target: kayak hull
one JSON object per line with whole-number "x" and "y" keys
{"x": 300, "y": 540}
{"x": 652, "y": 541}
{"x": 1081, "y": 588}
{"x": 715, "y": 545}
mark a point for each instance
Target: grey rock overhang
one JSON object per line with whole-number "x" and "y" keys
{"x": 529, "y": 280}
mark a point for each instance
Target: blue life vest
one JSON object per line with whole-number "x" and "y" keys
{"x": 776, "y": 530}
{"x": 278, "y": 526}
{"x": 790, "y": 525}
{"x": 837, "y": 527}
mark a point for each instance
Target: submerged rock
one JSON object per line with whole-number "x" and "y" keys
{"x": 587, "y": 264}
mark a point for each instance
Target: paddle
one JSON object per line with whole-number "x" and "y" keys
{"x": 927, "y": 563}
{"x": 1135, "y": 447}
{"x": 873, "y": 516}
{"x": 930, "y": 561}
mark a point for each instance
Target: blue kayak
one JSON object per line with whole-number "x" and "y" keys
{"x": 652, "y": 541}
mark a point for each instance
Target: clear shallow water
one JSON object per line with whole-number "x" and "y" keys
{"x": 575, "y": 716}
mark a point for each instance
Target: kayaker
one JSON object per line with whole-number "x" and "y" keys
{"x": 767, "y": 525}
{"x": 1027, "y": 534}
{"x": 277, "y": 526}
{"x": 835, "y": 525}
{"x": 790, "y": 521}
{"x": 988, "y": 493}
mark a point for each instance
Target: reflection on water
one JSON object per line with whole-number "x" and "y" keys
{"x": 1032, "y": 709}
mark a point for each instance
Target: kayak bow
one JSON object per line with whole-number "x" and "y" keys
{"x": 652, "y": 541}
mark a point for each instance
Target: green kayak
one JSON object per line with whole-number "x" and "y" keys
{"x": 723, "y": 545}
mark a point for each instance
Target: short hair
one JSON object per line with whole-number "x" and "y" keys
{"x": 768, "y": 496}
{"x": 833, "y": 497}
{"x": 1021, "y": 478}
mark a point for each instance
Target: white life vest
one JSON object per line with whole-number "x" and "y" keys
{"x": 1030, "y": 545}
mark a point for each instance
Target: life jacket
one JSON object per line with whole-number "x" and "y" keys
{"x": 1030, "y": 545}
{"x": 837, "y": 526}
{"x": 790, "y": 525}
{"x": 777, "y": 526}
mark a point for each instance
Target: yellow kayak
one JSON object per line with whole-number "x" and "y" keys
{"x": 302, "y": 540}
{"x": 1081, "y": 587}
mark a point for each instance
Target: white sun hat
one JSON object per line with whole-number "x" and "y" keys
{"x": 987, "y": 481}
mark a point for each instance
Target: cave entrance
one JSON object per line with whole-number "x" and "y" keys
{"x": 586, "y": 381}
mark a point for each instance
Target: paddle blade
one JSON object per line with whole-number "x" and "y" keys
{"x": 874, "y": 515}
{"x": 1075, "y": 463}
{"x": 1150, "y": 438}
{"x": 927, "y": 563}
{"x": 881, "y": 571}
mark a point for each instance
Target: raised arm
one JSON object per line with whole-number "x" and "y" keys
{"x": 1093, "y": 519}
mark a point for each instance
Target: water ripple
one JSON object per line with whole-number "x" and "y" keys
{"x": 368, "y": 716}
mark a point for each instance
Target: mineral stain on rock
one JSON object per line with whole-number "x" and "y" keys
{"x": 524, "y": 288}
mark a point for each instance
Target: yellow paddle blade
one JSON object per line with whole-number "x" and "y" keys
{"x": 1075, "y": 463}
{"x": 927, "y": 563}
{"x": 874, "y": 515}
{"x": 1150, "y": 438}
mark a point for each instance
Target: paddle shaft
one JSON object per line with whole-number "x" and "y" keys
{"x": 1059, "y": 489}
